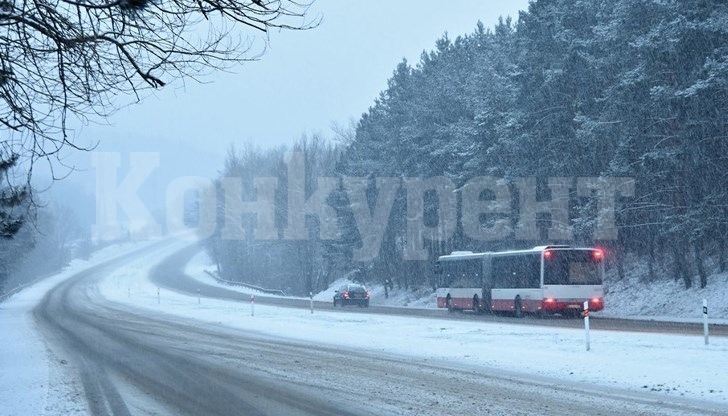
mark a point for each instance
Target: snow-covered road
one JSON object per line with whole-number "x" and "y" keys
{"x": 318, "y": 362}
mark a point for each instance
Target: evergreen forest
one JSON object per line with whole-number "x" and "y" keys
{"x": 570, "y": 98}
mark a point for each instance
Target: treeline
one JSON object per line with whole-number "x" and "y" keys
{"x": 48, "y": 240}
{"x": 258, "y": 248}
{"x": 37, "y": 237}
{"x": 632, "y": 89}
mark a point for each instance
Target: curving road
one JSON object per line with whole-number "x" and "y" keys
{"x": 170, "y": 275}
{"x": 133, "y": 362}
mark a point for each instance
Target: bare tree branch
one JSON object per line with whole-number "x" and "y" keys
{"x": 85, "y": 57}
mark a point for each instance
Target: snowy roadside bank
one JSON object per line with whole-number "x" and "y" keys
{"x": 32, "y": 380}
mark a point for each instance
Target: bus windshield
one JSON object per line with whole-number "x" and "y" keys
{"x": 572, "y": 267}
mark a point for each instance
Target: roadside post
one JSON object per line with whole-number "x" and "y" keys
{"x": 158, "y": 298}
{"x": 310, "y": 295}
{"x": 586, "y": 323}
{"x": 198, "y": 296}
{"x": 705, "y": 320}
{"x": 252, "y": 305}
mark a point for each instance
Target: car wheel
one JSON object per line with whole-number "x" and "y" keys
{"x": 334, "y": 302}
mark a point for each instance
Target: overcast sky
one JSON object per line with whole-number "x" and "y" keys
{"x": 305, "y": 80}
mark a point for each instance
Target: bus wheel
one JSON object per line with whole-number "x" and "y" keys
{"x": 476, "y": 307}
{"x": 517, "y": 307}
{"x": 448, "y": 303}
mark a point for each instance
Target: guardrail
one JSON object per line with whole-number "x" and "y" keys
{"x": 5, "y": 296}
{"x": 245, "y": 285}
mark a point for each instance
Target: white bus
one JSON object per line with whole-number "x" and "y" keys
{"x": 544, "y": 279}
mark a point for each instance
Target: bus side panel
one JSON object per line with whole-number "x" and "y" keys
{"x": 503, "y": 299}
{"x": 441, "y": 297}
{"x": 462, "y": 298}
{"x": 503, "y": 305}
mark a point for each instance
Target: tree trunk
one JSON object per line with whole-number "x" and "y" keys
{"x": 681, "y": 267}
{"x": 620, "y": 263}
{"x": 698, "y": 246}
{"x": 721, "y": 253}
{"x": 651, "y": 262}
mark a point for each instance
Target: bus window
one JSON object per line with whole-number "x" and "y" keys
{"x": 462, "y": 273}
{"x": 572, "y": 268}
{"x": 532, "y": 271}
{"x": 511, "y": 272}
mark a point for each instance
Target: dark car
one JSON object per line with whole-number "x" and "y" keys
{"x": 352, "y": 295}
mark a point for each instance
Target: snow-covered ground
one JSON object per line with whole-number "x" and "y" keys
{"x": 200, "y": 269}
{"x": 670, "y": 365}
{"x": 32, "y": 381}
{"x": 666, "y": 299}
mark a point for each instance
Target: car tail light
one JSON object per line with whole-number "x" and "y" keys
{"x": 549, "y": 300}
{"x": 547, "y": 254}
{"x": 346, "y": 294}
{"x": 368, "y": 294}
{"x": 596, "y": 300}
